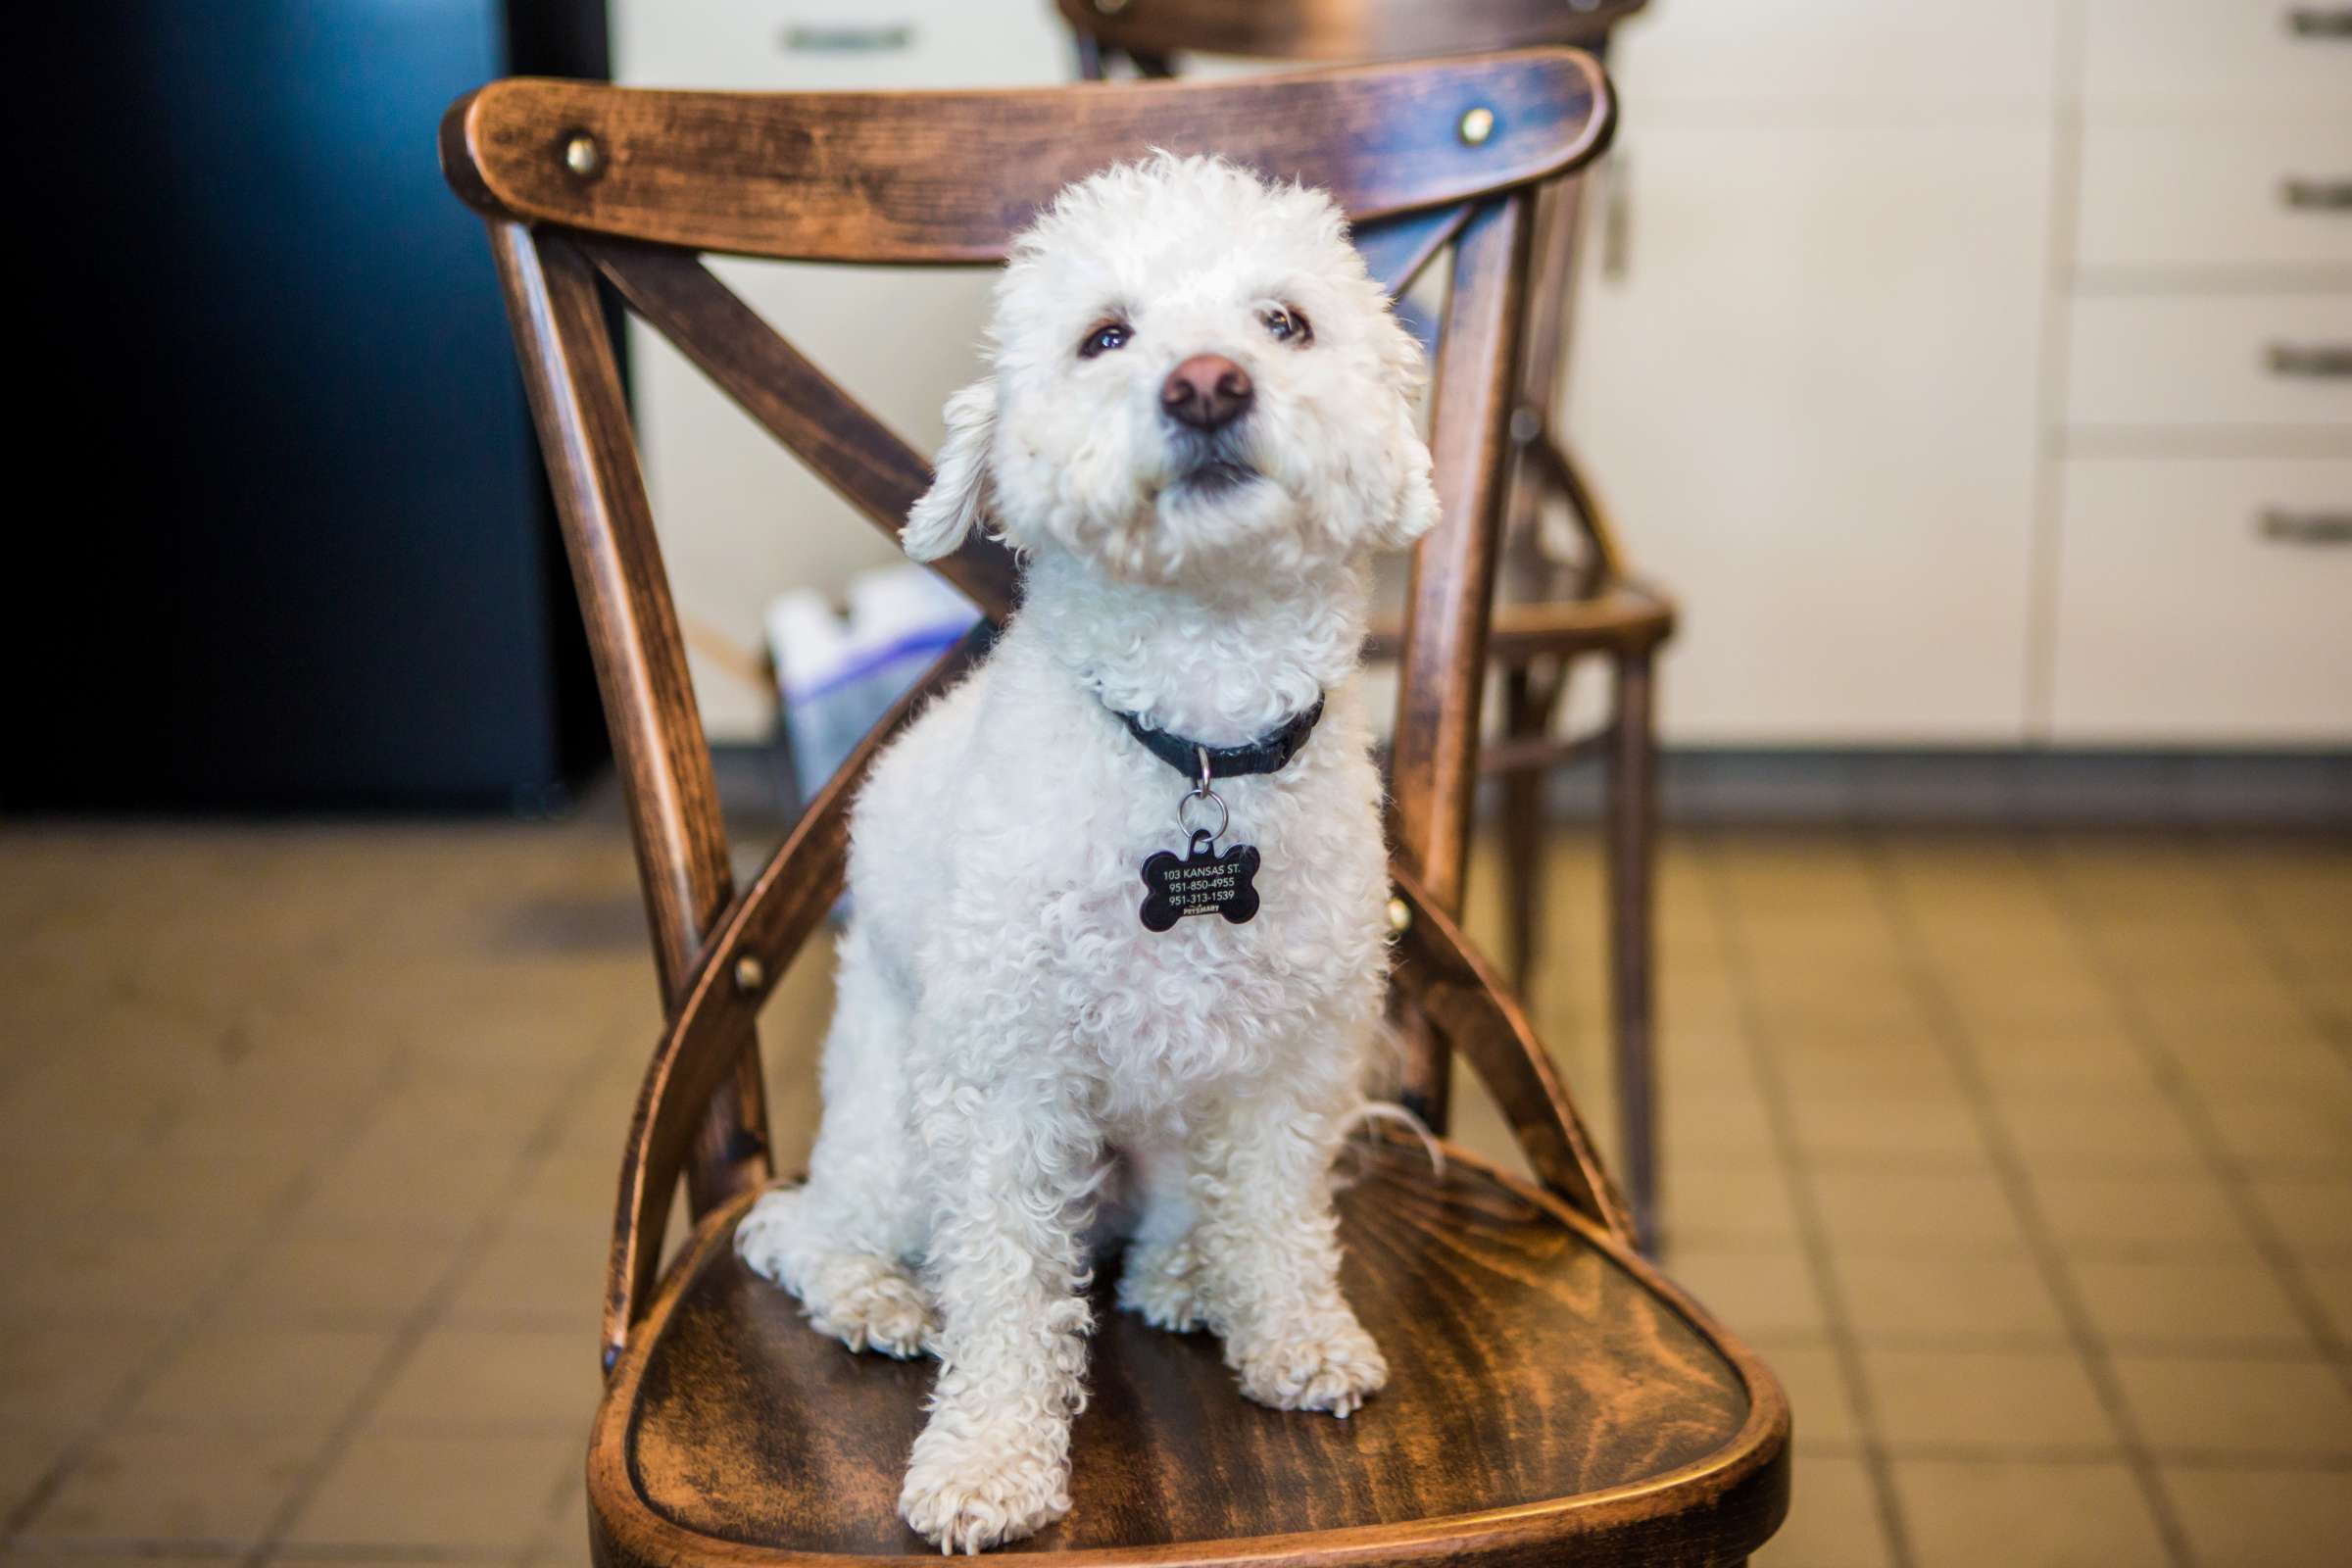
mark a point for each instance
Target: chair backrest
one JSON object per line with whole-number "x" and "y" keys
{"x": 580, "y": 181}
{"x": 1335, "y": 32}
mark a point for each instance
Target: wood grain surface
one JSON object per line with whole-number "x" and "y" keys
{"x": 843, "y": 443}
{"x": 574, "y": 384}
{"x": 1538, "y": 1373}
{"x": 1450, "y": 983}
{"x": 950, "y": 176}
{"x": 1339, "y": 29}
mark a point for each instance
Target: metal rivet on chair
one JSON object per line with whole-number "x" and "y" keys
{"x": 750, "y": 975}
{"x": 583, "y": 157}
{"x": 1525, "y": 426}
{"x": 1400, "y": 916}
{"x": 1476, "y": 125}
{"x": 1111, "y": 8}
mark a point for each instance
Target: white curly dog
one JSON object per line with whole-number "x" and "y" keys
{"x": 1200, "y": 423}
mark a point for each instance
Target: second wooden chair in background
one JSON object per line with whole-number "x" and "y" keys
{"x": 1556, "y": 607}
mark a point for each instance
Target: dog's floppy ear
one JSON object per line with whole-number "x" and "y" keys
{"x": 952, "y": 508}
{"x": 1416, "y": 496}
{"x": 1406, "y": 366}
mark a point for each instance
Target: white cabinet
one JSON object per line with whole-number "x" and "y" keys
{"x": 2232, "y": 56}
{"x": 1801, "y": 396}
{"x": 2210, "y": 363}
{"x": 2199, "y": 581}
{"x": 1945, "y": 361}
{"x": 739, "y": 520}
{"x": 2205, "y": 600}
{"x": 1805, "y": 361}
{"x": 2202, "y": 195}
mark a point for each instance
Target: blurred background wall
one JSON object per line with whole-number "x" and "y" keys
{"x": 285, "y": 531}
{"x": 1975, "y": 376}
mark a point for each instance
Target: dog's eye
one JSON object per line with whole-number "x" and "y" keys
{"x": 1102, "y": 339}
{"x": 1288, "y": 327}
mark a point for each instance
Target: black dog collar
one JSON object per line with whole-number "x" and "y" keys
{"x": 1268, "y": 754}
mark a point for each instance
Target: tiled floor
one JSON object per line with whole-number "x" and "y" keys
{"x": 2026, "y": 1160}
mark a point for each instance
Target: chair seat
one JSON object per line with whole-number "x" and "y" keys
{"x": 1545, "y": 1388}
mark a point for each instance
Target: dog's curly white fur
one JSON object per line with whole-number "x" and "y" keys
{"x": 1007, "y": 1029}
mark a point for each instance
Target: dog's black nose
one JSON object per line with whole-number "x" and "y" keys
{"x": 1206, "y": 391}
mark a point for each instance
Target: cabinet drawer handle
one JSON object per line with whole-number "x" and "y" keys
{"x": 2316, "y": 195}
{"x": 847, "y": 39}
{"x": 2317, "y": 361}
{"x": 2320, "y": 22}
{"x": 2281, "y": 526}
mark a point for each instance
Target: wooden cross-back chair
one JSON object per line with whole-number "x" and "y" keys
{"x": 1552, "y": 1391}
{"x": 1554, "y": 612}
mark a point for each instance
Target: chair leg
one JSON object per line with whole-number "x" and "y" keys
{"x": 1524, "y": 716}
{"x": 1633, "y": 817}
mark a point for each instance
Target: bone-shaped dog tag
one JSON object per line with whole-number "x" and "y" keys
{"x": 1200, "y": 881}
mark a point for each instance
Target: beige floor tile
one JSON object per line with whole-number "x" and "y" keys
{"x": 2238, "y": 1518}
{"x": 103, "y": 1273}
{"x": 1909, "y": 1131}
{"x": 568, "y": 1192}
{"x": 2143, "y": 1214}
{"x": 2208, "y": 1304}
{"x": 234, "y": 1378}
{"x": 2288, "y": 1134}
{"x": 2043, "y": 1008}
{"x": 536, "y": 1279}
{"x": 45, "y": 1196}
{"x": 1734, "y": 1204}
{"x": 2225, "y": 1406}
{"x": 2271, "y": 1061}
{"x": 185, "y": 1486}
{"x": 2331, "y": 1285}
{"x": 2003, "y": 1401}
{"x": 1832, "y": 1520}
{"x": 1719, "y": 1127}
{"x": 1882, "y": 1210}
{"x": 1862, "y": 1071}
{"x": 1762, "y": 1295}
{"x": 477, "y": 1495}
{"x": 2104, "y": 1133}
{"x": 26, "y": 1457}
{"x": 1965, "y": 1514}
{"x": 509, "y": 1379}
{"x": 340, "y": 1281}
{"x": 68, "y": 1374}
{"x": 562, "y": 1540}
{"x": 2024, "y": 1062}
{"x": 2313, "y": 1214}
{"x": 443, "y": 1195}
{"x": 1990, "y": 1300}
{"x": 490, "y": 969}
{"x": 229, "y": 1197}
{"x": 1821, "y": 1402}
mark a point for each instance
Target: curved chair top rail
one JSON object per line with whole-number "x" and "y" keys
{"x": 951, "y": 176}
{"x": 1341, "y": 29}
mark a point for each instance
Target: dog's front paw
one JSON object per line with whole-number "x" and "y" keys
{"x": 1161, "y": 1285}
{"x": 873, "y": 1305}
{"x": 1329, "y": 1364}
{"x": 980, "y": 1487}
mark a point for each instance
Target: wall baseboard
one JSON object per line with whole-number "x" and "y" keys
{"x": 1990, "y": 788}
{"x": 1955, "y": 788}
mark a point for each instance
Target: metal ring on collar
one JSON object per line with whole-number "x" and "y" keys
{"x": 1224, "y": 815}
